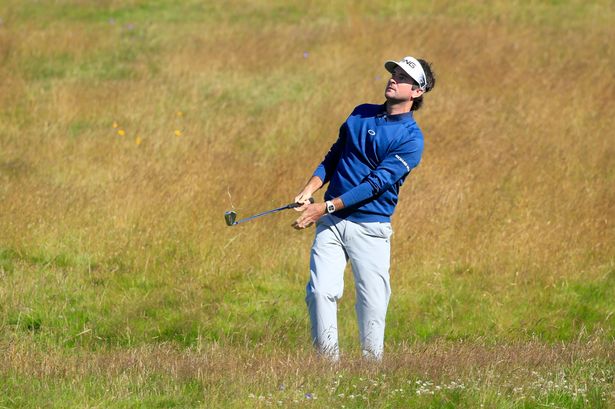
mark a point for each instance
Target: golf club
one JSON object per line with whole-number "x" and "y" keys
{"x": 231, "y": 215}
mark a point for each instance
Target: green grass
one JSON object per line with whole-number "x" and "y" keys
{"x": 122, "y": 305}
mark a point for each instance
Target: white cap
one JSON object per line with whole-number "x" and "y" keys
{"x": 412, "y": 67}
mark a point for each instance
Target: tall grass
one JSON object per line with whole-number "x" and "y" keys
{"x": 128, "y": 128}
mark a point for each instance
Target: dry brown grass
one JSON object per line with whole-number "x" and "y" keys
{"x": 517, "y": 174}
{"x": 215, "y": 366}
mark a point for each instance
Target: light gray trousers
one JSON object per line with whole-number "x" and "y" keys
{"x": 367, "y": 246}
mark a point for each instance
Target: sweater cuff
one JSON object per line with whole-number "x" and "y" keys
{"x": 357, "y": 194}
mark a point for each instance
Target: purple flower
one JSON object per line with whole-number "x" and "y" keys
{"x": 306, "y": 54}
{"x": 130, "y": 26}
{"x": 308, "y": 396}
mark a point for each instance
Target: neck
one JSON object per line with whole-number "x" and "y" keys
{"x": 398, "y": 107}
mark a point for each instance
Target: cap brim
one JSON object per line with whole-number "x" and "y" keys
{"x": 390, "y": 65}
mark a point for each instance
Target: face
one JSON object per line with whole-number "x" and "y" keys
{"x": 401, "y": 87}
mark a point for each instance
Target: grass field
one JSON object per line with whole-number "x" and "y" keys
{"x": 128, "y": 128}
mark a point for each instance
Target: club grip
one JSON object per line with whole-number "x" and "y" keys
{"x": 293, "y": 205}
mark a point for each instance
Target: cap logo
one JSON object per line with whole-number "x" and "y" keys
{"x": 410, "y": 63}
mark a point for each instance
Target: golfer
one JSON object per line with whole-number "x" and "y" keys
{"x": 377, "y": 147}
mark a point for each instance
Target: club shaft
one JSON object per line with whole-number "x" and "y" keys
{"x": 288, "y": 206}
{"x": 262, "y": 214}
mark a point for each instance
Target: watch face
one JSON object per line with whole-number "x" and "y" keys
{"x": 330, "y": 208}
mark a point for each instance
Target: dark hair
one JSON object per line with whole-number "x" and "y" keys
{"x": 431, "y": 81}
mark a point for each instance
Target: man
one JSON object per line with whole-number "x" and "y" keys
{"x": 377, "y": 147}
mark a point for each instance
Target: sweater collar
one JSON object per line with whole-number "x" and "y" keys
{"x": 406, "y": 116}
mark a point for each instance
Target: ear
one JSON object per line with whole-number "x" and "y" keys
{"x": 416, "y": 92}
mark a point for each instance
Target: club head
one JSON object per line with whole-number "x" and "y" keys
{"x": 230, "y": 217}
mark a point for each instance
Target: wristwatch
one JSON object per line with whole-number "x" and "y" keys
{"x": 330, "y": 206}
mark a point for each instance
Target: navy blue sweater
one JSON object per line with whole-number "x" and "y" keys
{"x": 369, "y": 162}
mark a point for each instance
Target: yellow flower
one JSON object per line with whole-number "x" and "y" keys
{"x": 178, "y": 133}
{"x": 180, "y": 113}
{"x": 115, "y": 125}
{"x": 121, "y": 132}
{"x": 138, "y": 140}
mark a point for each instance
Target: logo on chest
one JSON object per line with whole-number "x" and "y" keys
{"x": 371, "y": 132}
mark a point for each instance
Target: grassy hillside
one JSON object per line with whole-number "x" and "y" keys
{"x": 128, "y": 128}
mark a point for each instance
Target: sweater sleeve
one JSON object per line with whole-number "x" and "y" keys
{"x": 400, "y": 160}
{"x": 325, "y": 170}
